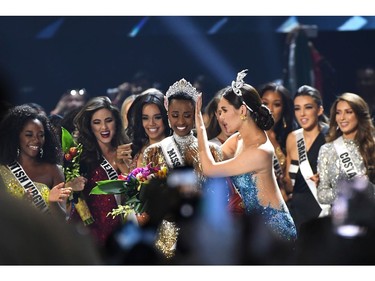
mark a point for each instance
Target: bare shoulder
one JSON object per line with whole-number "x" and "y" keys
{"x": 291, "y": 146}
{"x": 55, "y": 172}
{"x": 291, "y": 139}
{"x": 230, "y": 145}
{"x": 55, "y": 169}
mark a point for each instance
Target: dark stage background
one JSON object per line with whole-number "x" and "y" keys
{"x": 43, "y": 56}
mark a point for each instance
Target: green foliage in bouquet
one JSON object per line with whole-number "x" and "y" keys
{"x": 130, "y": 186}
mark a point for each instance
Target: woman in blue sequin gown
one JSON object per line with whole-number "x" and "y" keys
{"x": 248, "y": 155}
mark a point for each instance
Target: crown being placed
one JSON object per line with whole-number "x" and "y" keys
{"x": 182, "y": 86}
{"x": 238, "y": 84}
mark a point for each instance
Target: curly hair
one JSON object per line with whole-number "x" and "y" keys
{"x": 91, "y": 153}
{"x": 365, "y": 130}
{"x": 136, "y": 133}
{"x": 11, "y": 126}
{"x": 261, "y": 115}
{"x": 182, "y": 96}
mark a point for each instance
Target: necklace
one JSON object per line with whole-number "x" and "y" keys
{"x": 184, "y": 142}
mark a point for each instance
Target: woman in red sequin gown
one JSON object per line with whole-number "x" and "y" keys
{"x": 100, "y": 132}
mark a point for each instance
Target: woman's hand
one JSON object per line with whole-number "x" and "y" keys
{"x": 59, "y": 193}
{"x": 77, "y": 184}
{"x": 198, "y": 114}
{"x": 315, "y": 178}
{"x": 124, "y": 157}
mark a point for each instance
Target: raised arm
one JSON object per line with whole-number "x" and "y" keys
{"x": 205, "y": 155}
{"x": 250, "y": 160}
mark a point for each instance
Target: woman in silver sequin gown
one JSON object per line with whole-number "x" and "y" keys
{"x": 351, "y": 121}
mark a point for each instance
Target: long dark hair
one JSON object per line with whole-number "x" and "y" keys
{"x": 365, "y": 130}
{"x": 260, "y": 113}
{"x": 213, "y": 127}
{"x": 135, "y": 131}
{"x": 91, "y": 153}
{"x": 306, "y": 90}
{"x": 14, "y": 122}
{"x": 287, "y": 123}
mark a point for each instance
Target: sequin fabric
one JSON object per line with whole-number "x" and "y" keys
{"x": 100, "y": 206}
{"x": 188, "y": 146}
{"x": 278, "y": 220}
{"x": 331, "y": 172}
{"x": 166, "y": 239}
{"x": 15, "y": 188}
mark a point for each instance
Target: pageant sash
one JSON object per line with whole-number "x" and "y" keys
{"x": 171, "y": 153}
{"x": 307, "y": 171}
{"x": 112, "y": 175}
{"x": 345, "y": 158}
{"x": 277, "y": 166}
{"x": 29, "y": 186}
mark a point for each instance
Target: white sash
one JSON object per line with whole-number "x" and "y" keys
{"x": 345, "y": 158}
{"x": 277, "y": 166}
{"x": 112, "y": 175}
{"x": 171, "y": 153}
{"x": 307, "y": 172}
{"x": 28, "y": 185}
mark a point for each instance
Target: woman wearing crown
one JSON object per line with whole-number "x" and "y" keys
{"x": 248, "y": 156}
{"x": 180, "y": 149}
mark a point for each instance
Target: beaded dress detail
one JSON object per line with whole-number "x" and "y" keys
{"x": 278, "y": 220}
{"x": 331, "y": 171}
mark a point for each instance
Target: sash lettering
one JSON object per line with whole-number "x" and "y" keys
{"x": 174, "y": 158}
{"x": 29, "y": 186}
{"x": 172, "y": 154}
{"x": 345, "y": 159}
{"x": 277, "y": 166}
{"x": 301, "y": 150}
{"x": 307, "y": 172}
{"x": 111, "y": 172}
{"x": 112, "y": 175}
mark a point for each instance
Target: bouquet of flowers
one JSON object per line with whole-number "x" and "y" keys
{"x": 131, "y": 186}
{"x": 72, "y": 152}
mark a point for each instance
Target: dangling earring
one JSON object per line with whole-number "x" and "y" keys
{"x": 18, "y": 152}
{"x": 243, "y": 117}
{"x": 284, "y": 123}
{"x": 337, "y": 128}
{"x": 41, "y": 153}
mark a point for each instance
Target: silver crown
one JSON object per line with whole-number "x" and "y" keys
{"x": 238, "y": 84}
{"x": 182, "y": 86}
